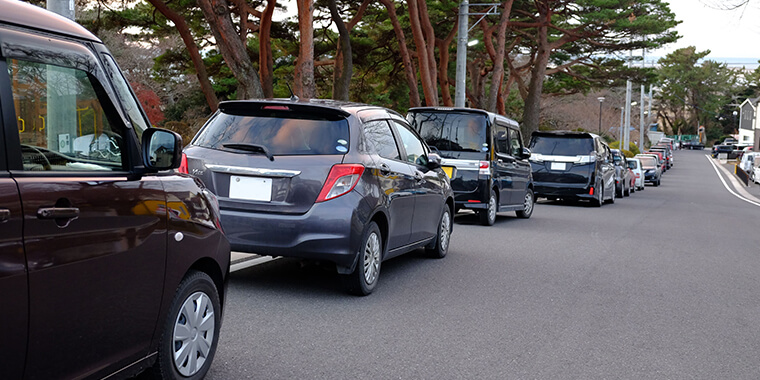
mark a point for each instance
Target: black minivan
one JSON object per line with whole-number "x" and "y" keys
{"x": 572, "y": 165}
{"x": 484, "y": 156}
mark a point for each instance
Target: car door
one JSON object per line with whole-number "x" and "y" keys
{"x": 94, "y": 235}
{"x": 428, "y": 186}
{"x": 395, "y": 178}
{"x": 13, "y": 280}
{"x": 504, "y": 164}
{"x": 521, "y": 176}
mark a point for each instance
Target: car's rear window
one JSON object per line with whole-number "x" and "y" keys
{"x": 647, "y": 162}
{"x": 562, "y": 145}
{"x": 452, "y": 131}
{"x": 279, "y": 135}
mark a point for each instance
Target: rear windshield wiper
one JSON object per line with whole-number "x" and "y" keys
{"x": 251, "y": 148}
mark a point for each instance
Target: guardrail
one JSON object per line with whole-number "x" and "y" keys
{"x": 741, "y": 174}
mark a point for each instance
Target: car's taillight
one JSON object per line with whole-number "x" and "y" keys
{"x": 183, "y": 165}
{"x": 484, "y": 168}
{"x": 342, "y": 179}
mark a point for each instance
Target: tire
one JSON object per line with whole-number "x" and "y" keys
{"x": 528, "y": 204}
{"x": 657, "y": 183}
{"x": 626, "y": 193}
{"x": 488, "y": 216}
{"x": 363, "y": 279}
{"x": 443, "y": 238}
{"x": 598, "y": 202}
{"x": 191, "y": 330}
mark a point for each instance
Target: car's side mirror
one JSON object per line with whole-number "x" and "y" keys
{"x": 161, "y": 149}
{"x": 526, "y": 153}
{"x": 434, "y": 161}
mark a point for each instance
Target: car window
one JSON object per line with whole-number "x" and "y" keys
{"x": 62, "y": 120}
{"x": 415, "y": 151}
{"x": 379, "y": 139}
{"x": 515, "y": 143}
{"x": 562, "y": 146}
{"x": 455, "y": 134}
{"x": 501, "y": 138}
{"x": 124, "y": 93}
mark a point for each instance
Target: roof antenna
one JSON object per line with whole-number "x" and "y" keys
{"x": 293, "y": 96}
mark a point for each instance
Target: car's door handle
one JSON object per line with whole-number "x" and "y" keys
{"x": 5, "y": 215}
{"x": 58, "y": 213}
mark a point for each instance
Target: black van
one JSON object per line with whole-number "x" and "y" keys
{"x": 483, "y": 154}
{"x": 572, "y": 165}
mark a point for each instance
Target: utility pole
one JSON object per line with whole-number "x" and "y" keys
{"x": 459, "y": 90}
{"x": 61, "y": 114}
{"x": 601, "y": 100}
{"x": 641, "y": 121}
{"x": 627, "y": 127}
{"x": 64, "y": 8}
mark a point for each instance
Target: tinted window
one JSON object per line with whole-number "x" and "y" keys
{"x": 562, "y": 146}
{"x": 632, "y": 164}
{"x": 415, "y": 151}
{"x": 451, "y": 131}
{"x": 515, "y": 143}
{"x": 379, "y": 139}
{"x": 62, "y": 123}
{"x": 128, "y": 101}
{"x": 280, "y": 135}
{"x": 501, "y": 139}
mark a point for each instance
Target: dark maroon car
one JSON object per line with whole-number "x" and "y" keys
{"x": 110, "y": 263}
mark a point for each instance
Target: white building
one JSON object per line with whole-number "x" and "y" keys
{"x": 748, "y": 123}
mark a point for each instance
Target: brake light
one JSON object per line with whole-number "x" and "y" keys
{"x": 276, "y": 108}
{"x": 183, "y": 165}
{"x": 484, "y": 168}
{"x": 342, "y": 179}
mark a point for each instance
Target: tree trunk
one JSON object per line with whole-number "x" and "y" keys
{"x": 411, "y": 80}
{"x": 532, "y": 111}
{"x": 498, "y": 64}
{"x": 192, "y": 49}
{"x": 343, "y": 69}
{"x": 234, "y": 52}
{"x": 429, "y": 85}
{"x": 304, "y": 70}
{"x": 266, "y": 65}
{"x": 443, "y": 67}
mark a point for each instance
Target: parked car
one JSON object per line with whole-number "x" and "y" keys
{"x": 623, "y": 176}
{"x": 747, "y": 163}
{"x": 572, "y": 165}
{"x": 651, "y": 167}
{"x": 729, "y": 150}
{"x": 318, "y": 179}
{"x": 635, "y": 165}
{"x": 667, "y": 154}
{"x": 484, "y": 156}
{"x": 692, "y": 144}
{"x": 106, "y": 266}
{"x": 660, "y": 160}
{"x": 742, "y": 150}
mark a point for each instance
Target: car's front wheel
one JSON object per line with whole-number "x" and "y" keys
{"x": 528, "y": 204}
{"x": 363, "y": 279}
{"x": 191, "y": 331}
{"x": 488, "y": 216}
{"x": 441, "y": 244}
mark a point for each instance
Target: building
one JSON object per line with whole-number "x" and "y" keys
{"x": 748, "y": 123}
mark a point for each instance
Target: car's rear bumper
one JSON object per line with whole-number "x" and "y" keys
{"x": 328, "y": 231}
{"x": 562, "y": 190}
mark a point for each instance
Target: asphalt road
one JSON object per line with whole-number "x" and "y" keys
{"x": 664, "y": 284}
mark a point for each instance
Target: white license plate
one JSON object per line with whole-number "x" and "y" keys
{"x": 558, "y": 166}
{"x": 251, "y": 188}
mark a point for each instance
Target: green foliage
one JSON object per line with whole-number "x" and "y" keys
{"x": 632, "y": 148}
{"x": 628, "y": 153}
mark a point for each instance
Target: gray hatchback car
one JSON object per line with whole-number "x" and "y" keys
{"x": 348, "y": 183}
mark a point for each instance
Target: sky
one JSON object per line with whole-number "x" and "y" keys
{"x": 727, "y": 34}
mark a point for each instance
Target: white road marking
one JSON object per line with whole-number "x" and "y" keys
{"x": 734, "y": 181}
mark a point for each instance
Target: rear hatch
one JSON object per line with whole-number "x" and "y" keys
{"x": 461, "y": 138}
{"x": 268, "y": 157}
{"x": 567, "y": 158}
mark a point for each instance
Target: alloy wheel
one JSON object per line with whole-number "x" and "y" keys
{"x": 372, "y": 258}
{"x": 445, "y": 231}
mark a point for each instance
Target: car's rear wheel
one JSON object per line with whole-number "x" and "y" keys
{"x": 441, "y": 244}
{"x": 191, "y": 331}
{"x": 528, "y": 204}
{"x": 598, "y": 202}
{"x": 488, "y": 216}
{"x": 363, "y": 279}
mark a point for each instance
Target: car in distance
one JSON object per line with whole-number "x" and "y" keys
{"x": 729, "y": 150}
{"x": 572, "y": 165}
{"x": 342, "y": 182}
{"x": 483, "y": 153}
{"x": 623, "y": 176}
{"x": 107, "y": 267}
{"x": 651, "y": 167}
{"x": 692, "y": 144}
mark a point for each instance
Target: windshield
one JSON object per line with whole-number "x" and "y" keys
{"x": 280, "y": 136}
{"x": 632, "y": 164}
{"x": 454, "y": 134}
{"x": 561, "y": 145}
{"x": 648, "y": 162}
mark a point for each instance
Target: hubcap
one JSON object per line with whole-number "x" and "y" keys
{"x": 371, "y": 258}
{"x": 492, "y": 209}
{"x": 528, "y": 206}
{"x": 193, "y": 334}
{"x": 445, "y": 228}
